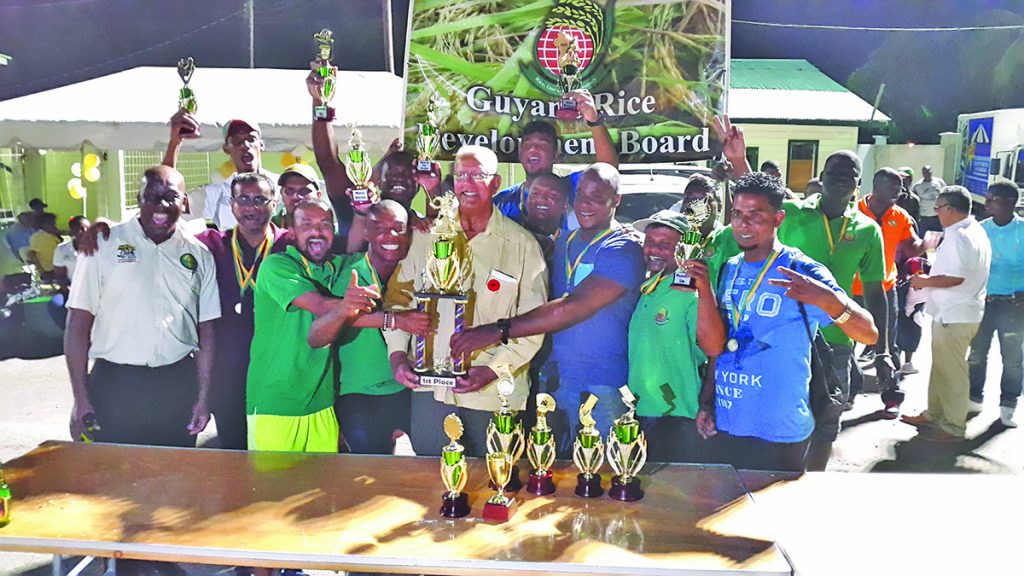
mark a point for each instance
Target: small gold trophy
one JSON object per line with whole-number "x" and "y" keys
{"x": 691, "y": 244}
{"x": 324, "y": 46}
{"x": 5, "y": 500}
{"x": 540, "y": 448}
{"x": 568, "y": 79}
{"x": 499, "y": 507}
{"x": 359, "y": 170}
{"x": 505, "y": 430}
{"x": 186, "y": 97}
{"x": 588, "y": 452}
{"x": 454, "y": 502}
{"x": 627, "y": 451}
{"x": 443, "y": 292}
{"x": 429, "y": 136}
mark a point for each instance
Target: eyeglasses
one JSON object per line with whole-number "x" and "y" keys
{"x": 467, "y": 176}
{"x": 937, "y": 206}
{"x": 258, "y": 201}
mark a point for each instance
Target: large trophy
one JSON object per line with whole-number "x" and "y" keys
{"x": 186, "y": 97}
{"x": 324, "y": 46}
{"x": 568, "y": 79}
{"x": 443, "y": 285}
{"x": 691, "y": 243}
{"x": 627, "y": 451}
{"x": 429, "y": 136}
{"x": 505, "y": 430}
{"x": 454, "y": 502}
{"x": 540, "y": 448}
{"x": 588, "y": 452}
{"x": 499, "y": 507}
{"x": 359, "y": 170}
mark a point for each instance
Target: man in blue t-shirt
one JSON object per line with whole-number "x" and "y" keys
{"x": 595, "y": 284}
{"x": 539, "y": 149}
{"x": 773, "y": 299}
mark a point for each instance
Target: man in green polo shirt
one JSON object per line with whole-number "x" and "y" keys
{"x": 830, "y": 229}
{"x": 291, "y": 386}
{"x": 672, "y": 332}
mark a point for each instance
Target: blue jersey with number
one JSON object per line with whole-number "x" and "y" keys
{"x": 761, "y": 388}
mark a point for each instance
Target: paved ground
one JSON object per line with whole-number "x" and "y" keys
{"x": 37, "y": 401}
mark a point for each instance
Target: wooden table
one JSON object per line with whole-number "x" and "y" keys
{"x": 378, "y": 513}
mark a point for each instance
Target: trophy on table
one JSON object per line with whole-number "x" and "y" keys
{"x": 429, "y": 137}
{"x": 443, "y": 284}
{"x": 499, "y": 507}
{"x": 505, "y": 430}
{"x": 540, "y": 449}
{"x": 454, "y": 502}
{"x": 627, "y": 451}
{"x": 186, "y": 97}
{"x": 588, "y": 452}
{"x": 691, "y": 243}
{"x": 5, "y": 500}
{"x": 569, "y": 66}
{"x": 324, "y": 46}
{"x": 359, "y": 170}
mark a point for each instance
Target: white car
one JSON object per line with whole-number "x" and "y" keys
{"x": 648, "y": 188}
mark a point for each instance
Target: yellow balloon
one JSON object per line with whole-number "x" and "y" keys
{"x": 227, "y": 169}
{"x": 91, "y": 161}
{"x": 72, "y": 182}
{"x": 77, "y": 191}
{"x": 76, "y": 169}
{"x": 92, "y": 174}
{"x": 287, "y": 159}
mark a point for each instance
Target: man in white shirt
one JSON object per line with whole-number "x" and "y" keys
{"x": 928, "y": 189}
{"x": 243, "y": 142}
{"x": 142, "y": 307}
{"x": 956, "y": 302}
{"x": 67, "y": 252}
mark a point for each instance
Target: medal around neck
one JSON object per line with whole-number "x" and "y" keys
{"x": 627, "y": 451}
{"x": 454, "y": 502}
{"x": 505, "y": 430}
{"x": 186, "y": 97}
{"x": 588, "y": 452}
{"x": 324, "y": 40}
{"x": 443, "y": 291}
{"x": 691, "y": 243}
{"x": 359, "y": 170}
{"x": 540, "y": 449}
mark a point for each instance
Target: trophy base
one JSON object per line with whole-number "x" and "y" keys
{"x": 323, "y": 113}
{"x": 567, "y": 110}
{"x": 627, "y": 492}
{"x": 425, "y": 166}
{"x": 541, "y": 484}
{"x": 438, "y": 380}
{"x": 456, "y": 507}
{"x": 514, "y": 483}
{"x": 588, "y": 487}
{"x": 500, "y": 512}
{"x": 683, "y": 279}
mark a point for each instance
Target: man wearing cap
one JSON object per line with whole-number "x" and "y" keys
{"x": 673, "y": 331}
{"x": 927, "y": 190}
{"x": 143, "y": 308}
{"x": 243, "y": 143}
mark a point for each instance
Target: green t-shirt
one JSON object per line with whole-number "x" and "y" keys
{"x": 858, "y": 247}
{"x": 720, "y": 247}
{"x": 663, "y": 352}
{"x": 286, "y": 376}
{"x": 365, "y": 368}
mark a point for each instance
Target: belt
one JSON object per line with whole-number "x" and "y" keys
{"x": 1002, "y": 298}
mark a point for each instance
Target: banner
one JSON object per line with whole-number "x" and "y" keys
{"x": 977, "y": 155}
{"x": 483, "y": 69}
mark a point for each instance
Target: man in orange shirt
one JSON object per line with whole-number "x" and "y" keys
{"x": 897, "y": 231}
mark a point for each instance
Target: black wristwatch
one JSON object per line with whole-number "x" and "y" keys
{"x": 504, "y": 324}
{"x": 598, "y": 122}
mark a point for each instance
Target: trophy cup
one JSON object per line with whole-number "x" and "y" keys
{"x": 588, "y": 452}
{"x": 691, "y": 244}
{"x": 540, "y": 448}
{"x": 568, "y": 79}
{"x": 505, "y": 430}
{"x": 429, "y": 136}
{"x": 359, "y": 171}
{"x": 5, "y": 500}
{"x": 499, "y": 507}
{"x": 324, "y": 46}
{"x": 443, "y": 292}
{"x": 627, "y": 451}
{"x": 454, "y": 502}
{"x": 186, "y": 97}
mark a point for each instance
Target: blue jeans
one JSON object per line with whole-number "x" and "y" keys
{"x": 368, "y": 422}
{"x": 828, "y": 431}
{"x": 569, "y": 390}
{"x": 1004, "y": 318}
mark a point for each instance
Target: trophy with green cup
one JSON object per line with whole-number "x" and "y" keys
{"x": 691, "y": 243}
{"x": 429, "y": 136}
{"x": 505, "y": 430}
{"x": 324, "y": 47}
{"x": 359, "y": 170}
{"x": 588, "y": 452}
{"x": 540, "y": 449}
{"x": 627, "y": 451}
{"x": 454, "y": 502}
{"x": 186, "y": 97}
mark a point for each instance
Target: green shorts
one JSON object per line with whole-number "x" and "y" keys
{"x": 316, "y": 432}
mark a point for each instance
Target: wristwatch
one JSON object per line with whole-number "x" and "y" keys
{"x": 504, "y": 324}
{"x": 843, "y": 317}
{"x": 598, "y": 122}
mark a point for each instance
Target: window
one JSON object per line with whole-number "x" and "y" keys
{"x": 802, "y": 164}
{"x": 10, "y": 183}
{"x": 752, "y": 156}
{"x": 194, "y": 166}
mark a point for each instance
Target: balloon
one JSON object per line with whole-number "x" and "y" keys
{"x": 72, "y": 182}
{"x": 227, "y": 169}
{"x": 92, "y": 174}
{"x": 78, "y": 192}
{"x": 76, "y": 169}
{"x": 287, "y": 159}
{"x": 91, "y": 161}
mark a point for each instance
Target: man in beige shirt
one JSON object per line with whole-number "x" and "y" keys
{"x": 508, "y": 277}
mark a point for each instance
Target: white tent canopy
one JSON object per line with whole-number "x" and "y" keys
{"x": 131, "y": 109}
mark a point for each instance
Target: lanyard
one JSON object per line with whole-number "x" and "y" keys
{"x": 246, "y": 277}
{"x": 828, "y": 230}
{"x": 737, "y": 311}
{"x": 373, "y": 272}
{"x": 652, "y": 284}
{"x": 309, "y": 271}
{"x": 570, "y": 269}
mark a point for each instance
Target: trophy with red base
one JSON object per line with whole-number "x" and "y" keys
{"x": 499, "y": 507}
{"x": 627, "y": 451}
{"x": 540, "y": 449}
{"x": 505, "y": 430}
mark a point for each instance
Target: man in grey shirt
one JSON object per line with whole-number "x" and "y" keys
{"x": 927, "y": 189}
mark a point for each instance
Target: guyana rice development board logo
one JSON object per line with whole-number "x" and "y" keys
{"x": 584, "y": 22}
{"x": 189, "y": 261}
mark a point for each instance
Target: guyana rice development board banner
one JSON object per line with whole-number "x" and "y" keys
{"x": 485, "y": 68}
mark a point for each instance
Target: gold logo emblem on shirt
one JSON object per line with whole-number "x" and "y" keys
{"x": 189, "y": 261}
{"x": 661, "y": 318}
{"x": 126, "y": 254}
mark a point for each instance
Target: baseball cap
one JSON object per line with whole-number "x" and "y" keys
{"x": 37, "y": 202}
{"x": 230, "y": 124}
{"x": 304, "y": 170}
{"x": 670, "y": 218}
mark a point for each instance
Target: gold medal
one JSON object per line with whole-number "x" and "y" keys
{"x": 238, "y": 308}
{"x": 732, "y": 345}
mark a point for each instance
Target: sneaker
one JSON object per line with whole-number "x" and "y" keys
{"x": 974, "y": 407}
{"x": 1006, "y": 416}
{"x": 866, "y": 357}
{"x": 908, "y": 368}
{"x": 891, "y": 411}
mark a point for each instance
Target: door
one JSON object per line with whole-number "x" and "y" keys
{"x": 802, "y": 164}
